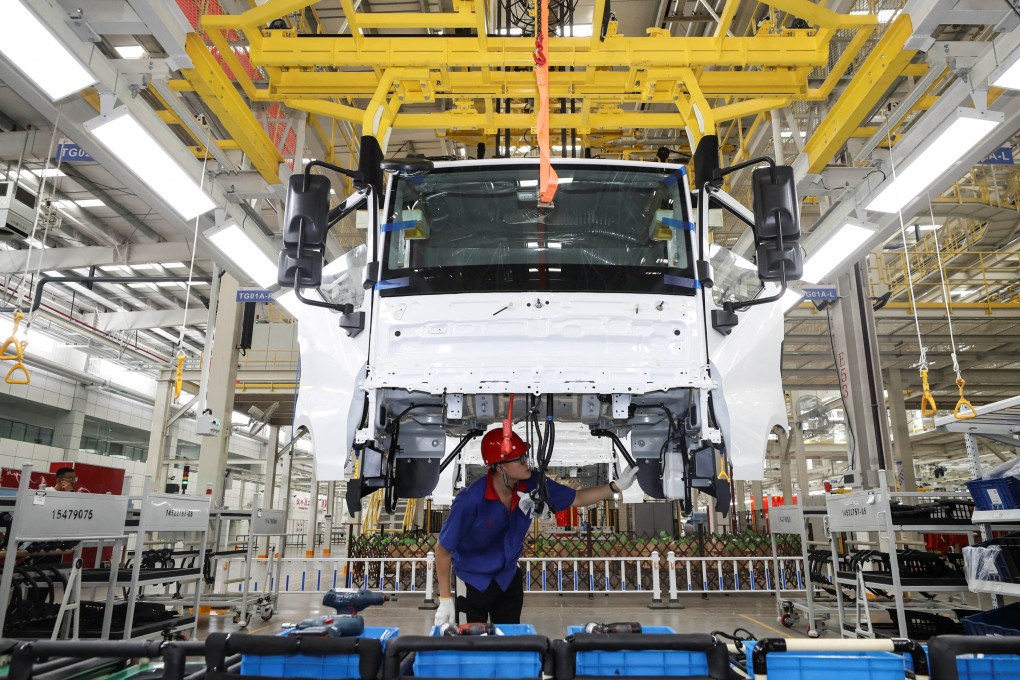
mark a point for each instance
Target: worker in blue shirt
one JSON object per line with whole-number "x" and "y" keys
{"x": 484, "y": 536}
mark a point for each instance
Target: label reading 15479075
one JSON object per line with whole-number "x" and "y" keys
{"x": 72, "y": 515}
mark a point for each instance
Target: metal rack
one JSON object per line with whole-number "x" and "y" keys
{"x": 999, "y": 421}
{"x": 869, "y": 511}
{"x": 793, "y": 520}
{"x": 166, "y": 513}
{"x": 42, "y": 515}
{"x": 263, "y": 522}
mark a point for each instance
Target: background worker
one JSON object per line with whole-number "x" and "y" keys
{"x": 65, "y": 479}
{"x": 483, "y": 538}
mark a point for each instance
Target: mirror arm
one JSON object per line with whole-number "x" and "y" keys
{"x": 733, "y": 306}
{"x": 356, "y": 176}
{"x": 348, "y": 206}
{"x": 719, "y": 173}
{"x": 345, "y": 308}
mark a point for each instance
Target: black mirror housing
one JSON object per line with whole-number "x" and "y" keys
{"x": 776, "y": 208}
{"x": 306, "y": 215}
{"x": 304, "y": 270}
{"x": 775, "y": 264}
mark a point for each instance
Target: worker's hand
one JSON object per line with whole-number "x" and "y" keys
{"x": 447, "y": 612}
{"x": 627, "y": 478}
{"x": 525, "y": 504}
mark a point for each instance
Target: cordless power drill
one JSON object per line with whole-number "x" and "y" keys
{"x": 622, "y": 627}
{"x": 345, "y": 623}
{"x": 452, "y": 629}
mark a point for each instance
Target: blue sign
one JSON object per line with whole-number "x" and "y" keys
{"x": 69, "y": 152}
{"x": 254, "y": 295}
{"x": 1001, "y": 156}
{"x": 821, "y": 293}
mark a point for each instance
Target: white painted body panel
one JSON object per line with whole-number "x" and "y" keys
{"x": 574, "y": 343}
{"x": 749, "y": 401}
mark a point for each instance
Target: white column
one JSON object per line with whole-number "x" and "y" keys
{"x": 212, "y": 459}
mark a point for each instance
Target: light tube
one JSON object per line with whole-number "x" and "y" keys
{"x": 1007, "y": 74}
{"x": 941, "y": 151}
{"x": 836, "y": 251}
{"x": 242, "y": 251}
{"x": 39, "y": 54}
{"x": 125, "y": 137}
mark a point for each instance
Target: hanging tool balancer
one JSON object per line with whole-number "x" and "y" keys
{"x": 346, "y": 622}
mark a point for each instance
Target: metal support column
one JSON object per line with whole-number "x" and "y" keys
{"x": 906, "y": 475}
{"x": 272, "y": 466}
{"x": 157, "y": 455}
{"x": 327, "y": 533}
{"x": 313, "y": 513}
{"x": 212, "y": 460}
{"x": 860, "y": 377}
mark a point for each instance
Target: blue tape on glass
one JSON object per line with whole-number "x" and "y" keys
{"x": 387, "y": 284}
{"x": 399, "y": 226}
{"x": 681, "y": 281}
{"x": 674, "y": 177}
{"x": 674, "y": 223}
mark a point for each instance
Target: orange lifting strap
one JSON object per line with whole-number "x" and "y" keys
{"x": 547, "y": 178}
{"x": 17, "y": 357}
{"x": 508, "y": 428}
{"x": 927, "y": 401}
{"x": 179, "y": 381}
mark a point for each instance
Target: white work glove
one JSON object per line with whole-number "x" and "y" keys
{"x": 525, "y": 504}
{"x": 447, "y": 612}
{"x": 627, "y": 478}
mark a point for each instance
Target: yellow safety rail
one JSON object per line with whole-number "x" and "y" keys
{"x": 409, "y": 511}
{"x": 18, "y": 356}
{"x": 370, "y": 515}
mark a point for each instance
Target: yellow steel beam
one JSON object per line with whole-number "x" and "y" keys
{"x": 285, "y": 49}
{"x": 236, "y": 68}
{"x": 726, "y": 19}
{"x": 857, "y": 43}
{"x": 878, "y": 72}
{"x": 351, "y": 14}
{"x": 826, "y": 18}
{"x": 299, "y": 84}
{"x": 222, "y": 98}
{"x": 328, "y": 109}
{"x": 257, "y": 16}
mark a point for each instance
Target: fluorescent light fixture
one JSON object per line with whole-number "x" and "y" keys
{"x": 1007, "y": 74}
{"x": 836, "y": 250}
{"x": 90, "y": 203}
{"x": 130, "y": 51}
{"x": 39, "y": 54}
{"x": 242, "y": 251}
{"x": 175, "y": 265}
{"x": 123, "y": 135}
{"x": 960, "y": 292}
{"x": 47, "y": 172}
{"x": 35, "y": 243}
{"x": 943, "y": 148}
{"x": 927, "y": 227}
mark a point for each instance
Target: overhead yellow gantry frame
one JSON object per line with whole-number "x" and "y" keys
{"x": 451, "y": 84}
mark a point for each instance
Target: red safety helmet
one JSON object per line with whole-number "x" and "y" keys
{"x": 492, "y": 447}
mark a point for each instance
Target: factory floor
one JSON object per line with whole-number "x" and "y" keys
{"x": 550, "y": 614}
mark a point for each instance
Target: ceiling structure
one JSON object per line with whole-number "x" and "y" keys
{"x": 243, "y": 92}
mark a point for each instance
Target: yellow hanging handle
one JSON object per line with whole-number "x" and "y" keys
{"x": 928, "y": 407}
{"x": 179, "y": 381}
{"x": 963, "y": 409}
{"x": 18, "y": 356}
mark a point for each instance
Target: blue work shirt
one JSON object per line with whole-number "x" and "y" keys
{"x": 484, "y": 538}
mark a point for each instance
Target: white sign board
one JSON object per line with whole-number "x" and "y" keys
{"x": 48, "y": 515}
{"x": 268, "y": 523}
{"x": 858, "y": 510}
{"x": 786, "y": 519}
{"x": 175, "y": 512}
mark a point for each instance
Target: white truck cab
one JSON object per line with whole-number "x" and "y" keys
{"x": 607, "y": 314}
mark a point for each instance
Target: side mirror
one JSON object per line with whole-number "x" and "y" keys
{"x": 305, "y": 225}
{"x": 777, "y": 224}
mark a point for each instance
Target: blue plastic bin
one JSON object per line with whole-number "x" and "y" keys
{"x": 646, "y": 662}
{"x": 328, "y": 666}
{"x": 1001, "y": 621}
{"x": 845, "y": 665}
{"x": 480, "y": 664}
{"x": 988, "y": 667}
{"x": 995, "y": 494}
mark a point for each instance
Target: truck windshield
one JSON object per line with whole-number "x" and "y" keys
{"x": 480, "y": 229}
